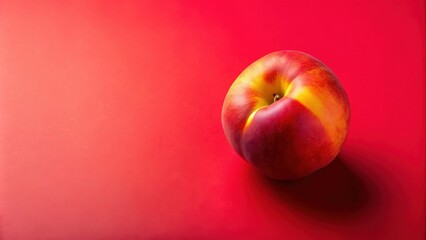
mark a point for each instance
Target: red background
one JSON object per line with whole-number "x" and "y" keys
{"x": 110, "y": 120}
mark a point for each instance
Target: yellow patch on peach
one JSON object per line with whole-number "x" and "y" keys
{"x": 250, "y": 118}
{"x": 325, "y": 107}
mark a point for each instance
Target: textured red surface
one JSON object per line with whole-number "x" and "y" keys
{"x": 110, "y": 120}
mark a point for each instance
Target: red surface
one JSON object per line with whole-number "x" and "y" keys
{"x": 110, "y": 121}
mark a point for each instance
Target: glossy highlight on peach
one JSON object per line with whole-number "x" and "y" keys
{"x": 286, "y": 114}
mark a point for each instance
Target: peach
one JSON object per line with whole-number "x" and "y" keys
{"x": 286, "y": 114}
